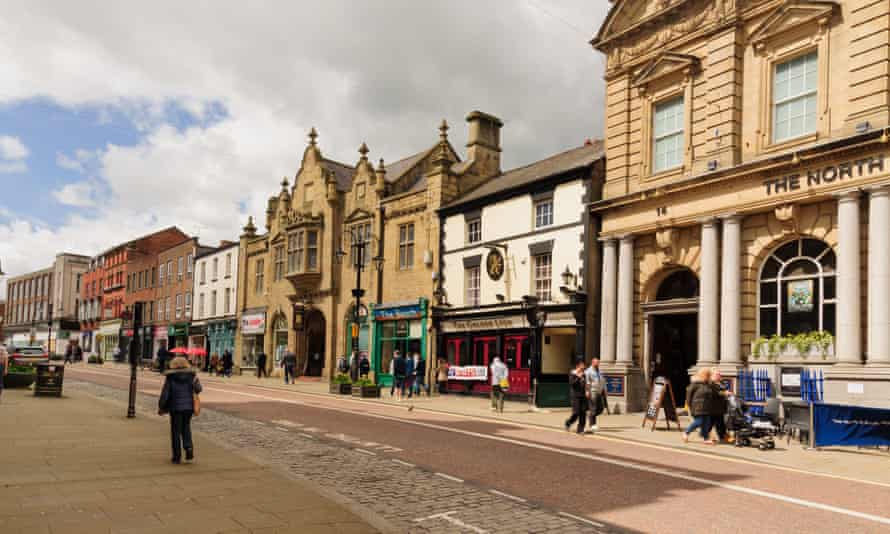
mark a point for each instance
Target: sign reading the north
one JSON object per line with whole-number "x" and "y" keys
{"x": 848, "y": 170}
{"x": 468, "y": 372}
{"x": 494, "y": 264}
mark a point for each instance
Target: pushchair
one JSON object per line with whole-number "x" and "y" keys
{"x": 750, "y": 427}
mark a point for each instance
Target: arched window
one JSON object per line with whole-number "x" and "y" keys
{"x": 678, "y": 285}
{"x": 798, "y": 289}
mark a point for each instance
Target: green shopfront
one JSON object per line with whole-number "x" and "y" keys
{"x": 398, "y": 326}
{"x": 221, "y": 336}
{"x": 177, "y": 335}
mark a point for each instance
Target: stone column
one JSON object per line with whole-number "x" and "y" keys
{"x": 878, "y": 350}
{"x": 849, "y": 292}
{"x": 625, "y": 306}
{"x": 709, "y": 294}
{"x": 609, "y": 301}
{"x": 731, "y": 292}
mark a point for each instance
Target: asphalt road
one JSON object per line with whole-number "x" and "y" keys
{"x": 638, "y": 487}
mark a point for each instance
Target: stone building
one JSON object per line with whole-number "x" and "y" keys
{"x": 746, "y": 193}
{"x": 296, "y": 279}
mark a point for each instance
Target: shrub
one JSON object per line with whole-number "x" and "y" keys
{"x": 363, "y": 382}
{"x": 341, "y": 379}
{"x": 22, "y": 369}
{"x": 95, "y": 359}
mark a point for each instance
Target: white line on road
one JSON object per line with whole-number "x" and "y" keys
{"x": 260, "y": 423}
{"x": 449, "y": 477}
{"x": 363, "y": 451}
{"x": 285, "y": 422}
{"x": 507, "y": 495}
{"x": 281, "y": 428}
{"x": 308, "y": 436}
{"x": 400, "y": 462}
{"x": 454, "y": 521}
{"x": 582, "y": 519}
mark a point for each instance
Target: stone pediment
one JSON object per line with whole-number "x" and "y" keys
{"x": 358, "y": 214}
{"x": 627, "y": 15}
{"x": 663, "y": 65}
{"x": 790, "y": 16}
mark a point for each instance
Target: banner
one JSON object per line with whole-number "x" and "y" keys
{"x": 468, "y": 372}
{"x": 836, "y": 424}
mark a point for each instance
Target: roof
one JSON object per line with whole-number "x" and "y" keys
{"x": 396, "y": 170}
{"x": 342, "y": 172}
{"x": 561, "y": 163}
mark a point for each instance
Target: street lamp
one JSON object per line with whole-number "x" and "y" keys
{"x": 578, "y": 298}
{"x": 536, "y": 318}
{"x": 360, "y": 240}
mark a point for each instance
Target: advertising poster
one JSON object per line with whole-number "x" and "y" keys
{"x": 800, "y": 296}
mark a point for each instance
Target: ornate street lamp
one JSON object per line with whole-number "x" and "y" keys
{"x": 536, "y": 318}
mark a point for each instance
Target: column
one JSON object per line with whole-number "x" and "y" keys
{"x": 709, "y": 294}
{"x": 625, "y": 306}
{"x": 609, "y": 300}
{"x": 849, "y": 291}
{"x": 731, "y": 292}
{"x": 878, "y": 350}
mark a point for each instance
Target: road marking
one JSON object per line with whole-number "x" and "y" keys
{"x": 453, "y": 520}
{"x": 313, "y": 429}
{"x": 281, "y": 428}
{"x": 582, "y": 519}
{"x": 400, "y": 462}
{"x": 449, "y": 477}
{"x": 309, "y": 436}
{"x": 371, "y": 444}
{"x": 285, "y": 422}
{"x": 363, "y": 451}
{"x": 507, "y": 495}
{"x": 260, "y": 423}
{"x": 389, "y": 448}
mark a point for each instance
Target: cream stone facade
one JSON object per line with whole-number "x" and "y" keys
{"x": 296, "y": 278}
{"x": 746, "y": 192}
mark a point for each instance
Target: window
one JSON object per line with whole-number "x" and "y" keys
{"x": 406, "y": 246}
{"x": 279, "y": 263}
{"x": 201, "y": 306}
{"x": 189, "y": 264}
{"x": 543, "y": 275}
{"x": 167, "y": 309}
{"x": 215, "y": 269}
{"x": 258, "y": 286}
{"x": 213, "y": 303}
{"x": 311, "y": 250}
{"x": 162, "y": 270}
{"x": 474, "y": 231}
{"x": 360, "y": 234}
{"x": 667, "y": 138}
{"x": 472, "y": 284}
{"x": 170, "y": 271}
{"x": 360, "y": 190}
{"x": 179, "y": 305}
{"x": 203, "y": 272}
{"x": 181, "y": 264}
{"x": 161, "y": 310}
{"x": 798, "y": 289}
{"x": 794, "y": 97}
{"x": 295, "y": 252}
{"x": 153, "y": 276}
{"x": 227, "y": 303}
{"x": 188, "y": 305}
{"x": 543, "y": 213}
{"x": 228, "y": 265}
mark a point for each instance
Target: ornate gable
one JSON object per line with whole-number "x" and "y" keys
{"x": 358, "y": 214}
{"x": 792, "y": 15}
{"x": 663, "y": 65}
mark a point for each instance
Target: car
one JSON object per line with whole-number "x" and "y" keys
{"x": 28, "y": 355}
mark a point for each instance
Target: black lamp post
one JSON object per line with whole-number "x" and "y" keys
{"x": 536, "y": 318}
{"x": 360, "y": 244}
{"x": 136, "y": 316}
{"x": 578, "y": 298}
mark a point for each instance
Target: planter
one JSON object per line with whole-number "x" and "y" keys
{"x": 341, "y": 389}
{"x": 19, "y": 380}
{"x": 366, "y": 392}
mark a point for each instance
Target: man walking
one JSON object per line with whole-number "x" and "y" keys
{"x": 420, "y": 375}
{"x": 578, "y": 397}
{"x": 73, "y": 352}
{"x": 261, "y": 365}
{"x": 289, "y": 362}
{"x": 595, "y": 387}
{"x": 399, "y": 371}
{"x": 499, "y": 380}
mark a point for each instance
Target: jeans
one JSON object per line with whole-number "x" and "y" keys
{"x": 701, "y": 422}
{"x": 289, "y": 374}
{"x": 594, "y": 408}
{"x": 497, "y": 398}
{"x": 717, "y": 422}
{"x": 261, "y": 370}
{"x": 579, "y": 406}
{"x": 181, "y": 432}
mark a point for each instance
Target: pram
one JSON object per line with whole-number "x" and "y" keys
{"x": 748, "y": 427}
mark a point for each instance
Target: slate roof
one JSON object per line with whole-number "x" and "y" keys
{"x": 563, "y": 162}
{"x": 342, "y": 172}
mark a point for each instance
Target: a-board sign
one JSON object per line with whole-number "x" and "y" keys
{"x": 661, "y": 397}
{"x": 614, "y": 385}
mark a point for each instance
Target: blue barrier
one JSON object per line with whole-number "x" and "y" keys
{"x": 836, "y": 424}
{"x": 812, "y": 386}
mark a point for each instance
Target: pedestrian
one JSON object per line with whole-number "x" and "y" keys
{"x": 594, "y": 390}
{"x": 715, "y": 406}
{"x": 178, "y": 398}
{"x": 696, "y": 398}
{"x": 261, "y": 365}
{"x": 162, "y": 358}
{"x": 4, "y": 366}
{"x": 227, "y": 363}
{"x": 500, "y": 380}
{"x": 289, "y": 362}
{"x": 364, "y": 366}
{"x": 400, "y": 372}
{"x": 392, "y": 373}
{"x": 577, "y": 393}
{"x": 214, "y": 363}
{"x": 410, "y": 375}
{"x": 73, "y": 352}
{"x": 116, "y": 354}
{"x": 442, "y": 376}
{"x": 353, "y": 366}
{"x": 420, "y": 375}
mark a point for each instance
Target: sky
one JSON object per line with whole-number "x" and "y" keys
{"x": 118, "y": 118}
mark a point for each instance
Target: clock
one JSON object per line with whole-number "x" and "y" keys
{"x": 494, "y": 264}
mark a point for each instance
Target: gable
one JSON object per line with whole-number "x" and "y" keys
{"x": 663, "y": 65}
{"x": 789, "y": 16}
{"x": 627, "y": 15}
{"x": 358, "y": 214}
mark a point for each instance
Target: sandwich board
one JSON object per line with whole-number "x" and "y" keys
{"x": 661, "y": 397}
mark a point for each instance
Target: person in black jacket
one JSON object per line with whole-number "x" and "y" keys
{"x": 261, "y": 365}
{"x": 696, "y": 398}
{"x": 715, "y": 405}
{"x": 178, "y": 399}
{"x": 364, "y": 366}
{"x": 578, "y": 396}
{"x": 227, "y": 363}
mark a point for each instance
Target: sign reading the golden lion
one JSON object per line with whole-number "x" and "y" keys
{"x": 829, "y": 174}
{"x": 493, "y": 323}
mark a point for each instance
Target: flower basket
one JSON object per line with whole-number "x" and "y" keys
{"x": 813, "y": 346}
{"x": 365, "y": 389}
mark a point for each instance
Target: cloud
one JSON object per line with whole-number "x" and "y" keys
{"x": 12, "y": 148}
{"x": 385, "y": 74}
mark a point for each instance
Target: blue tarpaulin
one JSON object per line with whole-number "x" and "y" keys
{"x": 836, "y": 424}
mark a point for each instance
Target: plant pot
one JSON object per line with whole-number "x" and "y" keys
{"x": 341, "y": 389}
{"x": 370, "y": 392}
{"x": 19, "y": 380}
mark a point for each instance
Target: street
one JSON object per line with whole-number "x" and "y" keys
{"x": 605, "y": 485}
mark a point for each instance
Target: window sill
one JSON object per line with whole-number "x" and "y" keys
{"x": 787, "y": 144}
{"x": 673, "y": 172}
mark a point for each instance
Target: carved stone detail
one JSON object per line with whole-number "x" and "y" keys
{"x": 666, "y": 240}
{"x": 788, "y": 215}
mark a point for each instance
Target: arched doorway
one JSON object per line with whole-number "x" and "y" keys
{"x": 672, "y": 325}
{"x": 315, "y": 343}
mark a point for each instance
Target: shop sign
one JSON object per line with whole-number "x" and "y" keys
{"x": 847, "y": 170}
{"x": 128, "y": 332}
{"x": 176, "y": 330}
{"x": 468, "y": 372}
{"x": 491, "y": 323}
{"x": 398, "y": 313}
{"x": 254, "y": 323}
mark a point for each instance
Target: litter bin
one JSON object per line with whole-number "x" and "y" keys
{"x": 49, "y": 379}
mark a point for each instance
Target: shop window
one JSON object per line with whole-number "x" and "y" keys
{"x": 472, "y": 283}
{"x": 668, "y": 134}
{"x": 406, "y": 246}
{"x": 798, "y": 289}
{"x": 251, "y": 346}
{"x": 474, "y": 231}
{"x": 281, "y": 332}
{"x": 544, "y": 213}
{"x": 517, "y": 352}
{"x": 485, "y": 349}
{"x": 794, "y": 97}
{"x": 542, "y": 276}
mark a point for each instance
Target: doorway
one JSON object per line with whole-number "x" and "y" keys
{"x": 315, "y": 343}
{"x": 675, "y": 350}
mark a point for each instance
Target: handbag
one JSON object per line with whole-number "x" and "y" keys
{"x": 504, "y": 384}
{"x": 196, "y": 401}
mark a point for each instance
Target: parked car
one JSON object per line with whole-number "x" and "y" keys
{"x": 28, "y": 355}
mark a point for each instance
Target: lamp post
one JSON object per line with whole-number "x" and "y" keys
{"x": 360, "y": 240}
{"x": 136, "y": 316}
{"x": 578, "y": 298}
{"x": 536, "y": 318}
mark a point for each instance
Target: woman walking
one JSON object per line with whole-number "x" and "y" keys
{"x": 178, "y": 398}
{"x": 716, "y": 406}
{"x": 696, "y": 398}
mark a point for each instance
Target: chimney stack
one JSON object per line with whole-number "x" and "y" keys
{"x": 484, "y": 143}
